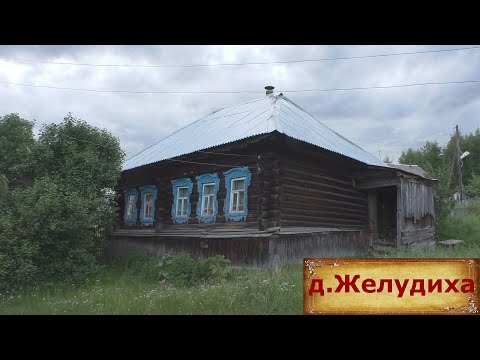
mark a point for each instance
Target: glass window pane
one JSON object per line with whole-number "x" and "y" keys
{"x": 131, "y": 199}
{"x": 148, "y": 197}
{"x": 184, "y": 207}
{"x": 241, "y": 197}
{"x": 239, "y": 184}
{"x": 210, "y": 206}
{"x": 210, "y": 202}
{"x": 147, "y": 210}
{"x": 179, "y": 207}
{"x": 204, "y": 205}
{"x": 208, "y": 189}
{"x": 182, "y": 192}
{"x": 234, "y": 201}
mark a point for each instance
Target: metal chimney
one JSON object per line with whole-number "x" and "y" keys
{"x": 269, "y": 89}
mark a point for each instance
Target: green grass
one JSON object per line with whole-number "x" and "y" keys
{"x": 466, "y": 228}
{"x": 132, "y": 287}
{"x": 461, "y": 251}
{"x": 117, "y": 291}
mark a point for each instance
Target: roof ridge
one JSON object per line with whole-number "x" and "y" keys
{"x": 251, "y": 118}
{"x": 190, "y": 124}
{"x": 275, "y": 110}
{"x": 318, "y": 121}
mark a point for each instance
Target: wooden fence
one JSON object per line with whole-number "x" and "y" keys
{"x": 466, "y": 207}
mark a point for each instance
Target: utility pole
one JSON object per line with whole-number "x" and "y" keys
{"x": 458, "y": 154}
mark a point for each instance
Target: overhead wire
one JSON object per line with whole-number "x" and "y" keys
{"x": 241, "y": 63}
{"x": 242, "y": 91}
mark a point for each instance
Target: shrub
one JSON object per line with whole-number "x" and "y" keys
{"x": 142, "y": 266}
{"x": 183, "y": 270}
{"x": 54, "y": 211}
{"x": 466, "y": 228}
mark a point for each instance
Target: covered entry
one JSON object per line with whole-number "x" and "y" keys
{"x": 400, "y": 210}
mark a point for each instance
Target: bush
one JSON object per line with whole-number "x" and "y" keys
{"x": 183, "y": 270}
{"x": 466, "y": 228}
{"x": 54, "y": 211}
{"x": 141, "y": 265}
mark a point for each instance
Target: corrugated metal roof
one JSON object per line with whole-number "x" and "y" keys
{"x": 261, "y": 116}
{"x": 412, "y": 169}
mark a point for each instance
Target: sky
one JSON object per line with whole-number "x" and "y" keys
{"x": 383, "y": 121}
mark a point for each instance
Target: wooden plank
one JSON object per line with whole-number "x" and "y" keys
{"x": 314, "y": 219}
{"x": 296, "y": 205}
{"x": 372, "y": 212}
{"x": 399, "y": 216}
{"x": 419, "y": 231}
{"x": 232, "y": 236}
{"x": 298, "y": 190}
{"x": 289, "y": 223}
{"x": 304, "y": 229}
{"x": 416, "y": 238}
{"x": 323, "y": 199}
{"x": 342, "y": 215}
{"x": 451, "y": 243}
{"x": 376, "y": 183}
{"x": 319, "y": 184}
{"x": 308, "y": 174}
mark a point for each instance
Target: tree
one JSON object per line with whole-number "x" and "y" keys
{"x": 51, "y": 222}
{"x": 16, "y": 145}
{"x": 428, "y": 157}
{"x": 411, "y": 157}
{"x": 473, "y": 188}
{"x": 431, "y": 159}
{"x": 387, "y": 160}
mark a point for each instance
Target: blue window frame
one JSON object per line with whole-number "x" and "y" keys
{"x": 130, "y": 212}
{"x": 148, "y": 195}
{"x": 207, "y": 206}
{"x": 181, "y": 209}
{"x": 237, "y": 182}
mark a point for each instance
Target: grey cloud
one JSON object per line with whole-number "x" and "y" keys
{"x": 391, "y": 120}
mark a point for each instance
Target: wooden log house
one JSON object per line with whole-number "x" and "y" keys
{"x": 266, "y": 178}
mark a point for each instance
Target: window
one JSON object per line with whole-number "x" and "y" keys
{"x": 207, "y": 199}
{"x": 147, "y": 212}
{"x": 238, "y": 195}
{"x": 182, "y": 201}
{"x": 130, "y": 213}
{"x": 237, "y": 182}
{"x": 148, "y": 205}
{"x": 207, "y": 207}
{"x": 182, "y": 189}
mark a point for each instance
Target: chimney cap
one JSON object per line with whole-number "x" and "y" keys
{"x": 269, "y": 89}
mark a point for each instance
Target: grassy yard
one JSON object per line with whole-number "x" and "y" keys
{"x": 117, "y": 291}
{"x": 134, "y": 288}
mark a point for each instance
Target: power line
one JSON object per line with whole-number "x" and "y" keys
{"x": 90, "y": 142}
{"x": 388, "y": 86}
{"x": 240, "y": 91}
{"x": 130, "y": 91}
{"x": 184, "y": 161}
{"x": 244, "y": 63}
{"x": 202, "y": 163}
{"x": 83, "y": 140}
{"x": 219, "y": 153}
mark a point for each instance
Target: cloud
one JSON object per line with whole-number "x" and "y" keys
{"x": 385, "y": 120}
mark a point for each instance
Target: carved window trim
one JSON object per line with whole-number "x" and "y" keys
{"x": 144, "y": 190}
{"x": 230, "y": 175}
{"x": 203, "y": 180}
{"x": 126, "y": 195}
{"x": 176, "y": 184}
